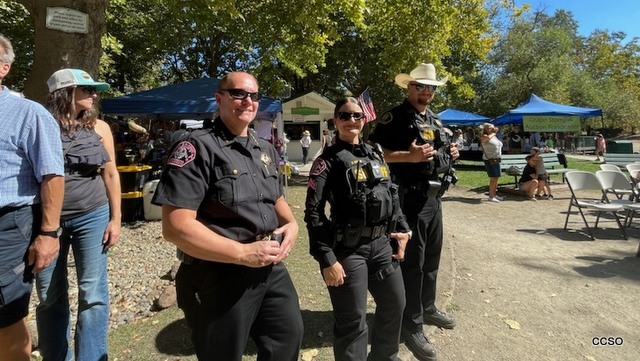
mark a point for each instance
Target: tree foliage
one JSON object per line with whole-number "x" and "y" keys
{"x": 543, "y": 54}
{"x": 338, "y": 47}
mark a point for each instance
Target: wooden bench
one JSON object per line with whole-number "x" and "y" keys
{"x": 513, "y": 165}
{"x": 620, "y": 159}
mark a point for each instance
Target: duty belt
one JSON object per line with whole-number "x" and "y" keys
{"x": 374, "y": 232}
{"x": 189, "y": 260}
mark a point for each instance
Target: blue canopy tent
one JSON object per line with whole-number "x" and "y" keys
{"x": 460, "y": 118}
{"x": 539, "y": 106}
{"x": 194, "y": 99}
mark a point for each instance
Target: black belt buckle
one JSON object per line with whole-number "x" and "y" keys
{"x": 270, "y": 237}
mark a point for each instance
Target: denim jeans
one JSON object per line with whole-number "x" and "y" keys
{"x": 84, "y": 235}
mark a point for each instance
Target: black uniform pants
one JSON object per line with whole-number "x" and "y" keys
{"x": 361, "y": 265}
{"x": 422, "y": 255}
{"x": 226, "y": 304}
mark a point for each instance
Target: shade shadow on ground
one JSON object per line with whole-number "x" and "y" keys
{"x": 175, "y": 338}
{"x": 607, "y": 267}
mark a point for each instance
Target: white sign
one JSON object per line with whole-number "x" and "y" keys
{"x": 298, "y": 118}
{"x": 67, "y": 20}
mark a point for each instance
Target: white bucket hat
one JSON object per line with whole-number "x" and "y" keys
{"x": 423, "y": 74}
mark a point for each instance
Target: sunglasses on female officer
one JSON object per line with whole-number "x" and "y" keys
{"x": 357, "y": 116}
{"x": 421, "y": 87}
{"x": 241, "y": 94}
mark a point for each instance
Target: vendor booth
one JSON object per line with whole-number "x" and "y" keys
{"x": 194, "y": 99}
{"x": 459, "y": 118}
{"x": 537, "y": 109}
{"x": 310, "y": 112}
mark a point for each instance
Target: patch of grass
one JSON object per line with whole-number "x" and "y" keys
{"x": 452, "y": 307}
{"x": 472, "y": 174}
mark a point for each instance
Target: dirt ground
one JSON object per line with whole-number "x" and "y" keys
{"x": 522, "y": 288}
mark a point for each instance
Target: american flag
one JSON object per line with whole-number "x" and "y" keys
{"x": 367, "y": 106}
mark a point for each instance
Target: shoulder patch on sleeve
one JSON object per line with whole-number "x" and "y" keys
{"x": 183, "y": 154}
{"x": 319, "y": 166}
{"x": 385, "y": 118}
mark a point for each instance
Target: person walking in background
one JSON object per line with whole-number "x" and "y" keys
{"x": 601, "y": 146}
{"x": 223, "y": 207}
{"x": 90, "y": 223}
{"x": 305, "y": 143}
{"x": 355, "y": 253}
{"x": 416, "y": 149}
{"x": 491, "y": 154}
{"x": 31, "y": 191}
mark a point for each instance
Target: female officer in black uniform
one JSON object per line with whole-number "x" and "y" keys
{"x": 223, "y": 207}
{"x": 352, "y": 245}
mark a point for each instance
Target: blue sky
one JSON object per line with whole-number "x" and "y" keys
{"x": 612, "y": 15}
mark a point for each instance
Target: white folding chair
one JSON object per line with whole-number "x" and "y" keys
{"x": 613, "y": 182}
{"x": 587, "y": 193}
{"x": 633, "y": 169}
{"x": 610, "y": 167}
{"x": 617, "y": 183}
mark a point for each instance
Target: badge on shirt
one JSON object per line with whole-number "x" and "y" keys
{"x": 183, "y": 154}
{"x": 265, "y": 158}
{"x": 428, "y": 134}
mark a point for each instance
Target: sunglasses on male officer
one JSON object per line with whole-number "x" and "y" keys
{"x": 422, "y": 87}
{"x": 357, "y": 116}
{"x": 241, "y": 94}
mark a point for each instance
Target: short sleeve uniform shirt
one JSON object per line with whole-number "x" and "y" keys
{"x": 231, "y": 181}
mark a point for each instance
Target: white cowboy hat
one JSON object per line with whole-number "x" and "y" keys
{"x": 423, "y": 74}
{"x": 306, "y": 132}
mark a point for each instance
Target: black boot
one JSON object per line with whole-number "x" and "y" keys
{"x": 439, "y": 319}
{"x": 418, "y": 343}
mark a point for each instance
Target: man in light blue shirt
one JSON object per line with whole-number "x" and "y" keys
{"x": 31, "y": 193}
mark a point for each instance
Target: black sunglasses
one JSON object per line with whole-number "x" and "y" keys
{"x": 88, "y": 89}
{"x": 357, "y": 116}
{"x": 421, "y": 87}
{"x": 241, "y": 94}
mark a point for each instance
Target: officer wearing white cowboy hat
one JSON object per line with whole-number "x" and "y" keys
{"x": 416, "y": 148}
{"x": 422, "y": 74}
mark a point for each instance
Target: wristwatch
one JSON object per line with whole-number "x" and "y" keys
{"x": 53, "y": 234}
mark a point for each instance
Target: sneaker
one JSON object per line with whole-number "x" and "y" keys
{"x": 533, "y": 199}
{"x": 500, "y": 198}
{"x": 419, "y": 345}
{"x": 550, "y": 197}
{"x": 439, "y": 319}
{"x": 494, "y": 199}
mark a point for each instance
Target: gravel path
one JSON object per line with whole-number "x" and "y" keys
{"x": 138, "y": 266}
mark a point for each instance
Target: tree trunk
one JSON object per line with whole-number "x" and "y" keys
{"x": 55, "y": 49}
